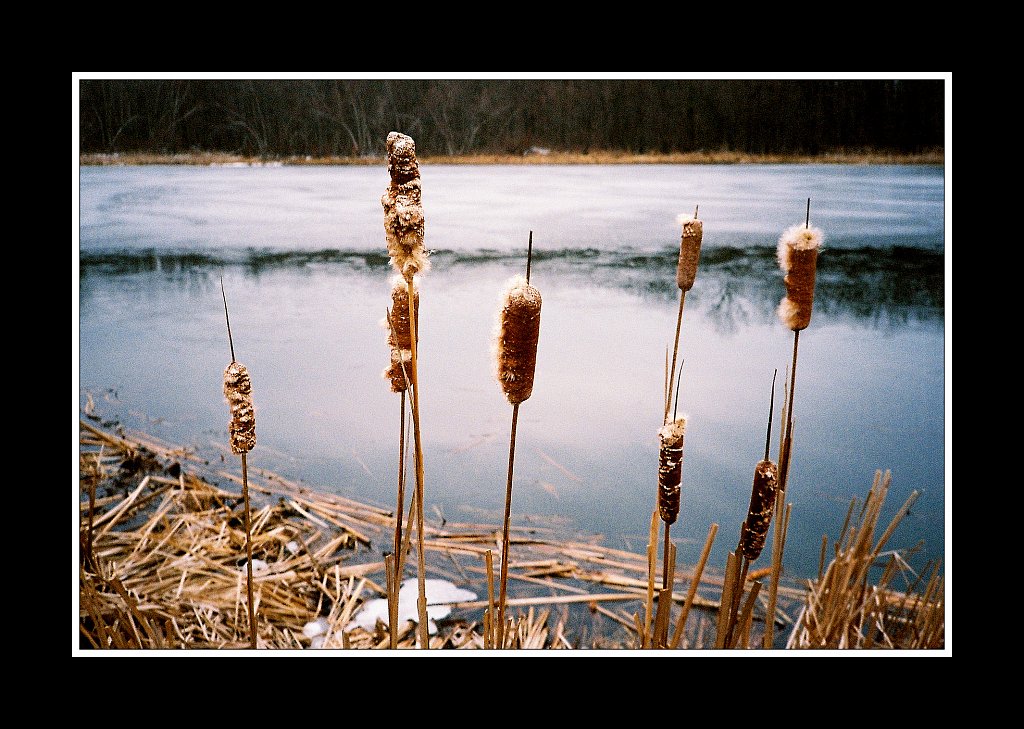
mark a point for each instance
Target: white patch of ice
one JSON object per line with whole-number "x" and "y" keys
{"x": 292, "y": 547}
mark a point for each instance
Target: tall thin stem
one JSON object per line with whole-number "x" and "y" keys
{"x": 401, "y": 489}
{"x": 665, "y": 557}
{"x": 414, "y": 394}
{"x": 505, "y": 528}
{"x": 788, "y": 441}
{"x": 248, "y": 553}
{"x": 675, "y": 352}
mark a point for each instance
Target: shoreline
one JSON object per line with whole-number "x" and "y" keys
{"x": 126, "y": 159}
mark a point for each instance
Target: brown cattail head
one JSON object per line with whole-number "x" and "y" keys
{"x": 518, "y": 332}
{"x": 399, "y": 328}
{"x": 401, "y": 362}
{"x": 403, "y": 208}
{"x": 798, "y": 258}
{"x": 670, "y": 469}
{"x": 238, "y": 391}
{"x": 689, "y": 251}
{"x": 759, "y": 515}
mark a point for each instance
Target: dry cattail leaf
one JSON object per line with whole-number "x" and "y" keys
{"x": 759, "y": 514}
{"x": 518, "y": 332}
{"x": 403, "y": 208}
{"x": 689, "y": 251}
{"x": 238, "y": 391}
{"x": 670, "y": 469}
{"x": 798, "y": 258}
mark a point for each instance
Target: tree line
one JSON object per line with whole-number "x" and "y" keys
{"x": 353, "y": 117}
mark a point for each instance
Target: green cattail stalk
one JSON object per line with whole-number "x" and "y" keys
{"x": 518, "y": 334}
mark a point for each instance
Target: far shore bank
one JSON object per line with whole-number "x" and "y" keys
{"x": 934, "y": 157}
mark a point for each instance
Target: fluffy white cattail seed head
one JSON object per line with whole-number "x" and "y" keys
{"x": 403, "y": 208}
{"x": 798, "y": 258}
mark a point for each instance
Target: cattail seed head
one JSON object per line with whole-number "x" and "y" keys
{"x": 689, "y": 251}
{"x": 798, "y": 258}
{"x": 238, "y": 391}
{"x": 401, "y": 363}
{"x": 670, "y": 469}
{"x": 403, "y": 208}
{"x": 759, "y": 514}
{"x": 518, "y": 333}
{"x": 400, "y": 327}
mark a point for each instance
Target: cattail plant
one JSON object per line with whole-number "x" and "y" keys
{"x": 399, "y": 328}
{"x": 404, "y": 230}
{"x": 516, "y": 349}
{"x": 242, "y": 437}
{"x": 754, "y": 529}
{"x": 686, "y": 273}
{"x": 798, "y": 258}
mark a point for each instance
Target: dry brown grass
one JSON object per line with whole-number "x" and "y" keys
{"x": 165, "y": 567}
{"x": 933, "y": 157}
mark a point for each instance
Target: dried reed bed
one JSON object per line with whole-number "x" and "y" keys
{"x": 843, "y": 608}
{"x": 165, "y": 568}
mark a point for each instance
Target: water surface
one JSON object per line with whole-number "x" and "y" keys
{"x": 302, "y": 256}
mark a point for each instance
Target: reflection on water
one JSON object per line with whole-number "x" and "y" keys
{"x": 880, "y": 287}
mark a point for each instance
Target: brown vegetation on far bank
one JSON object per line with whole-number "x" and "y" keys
{"x": 932, "y": 157}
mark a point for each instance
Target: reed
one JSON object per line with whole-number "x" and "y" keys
{"x": 518, "y": 334}
{"x": 242, "y": 438}
{"x": 399, "y": 328}
{"x": 754, "y": 529}
{"x": 404, "y": 231}
{"x": 798, "y": 258}
{"x": 686, "y": 273}
{"x": 844, "y": 610}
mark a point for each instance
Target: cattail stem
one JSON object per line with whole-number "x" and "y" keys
{"x": 665, "y": 558}
{"x": 737, "y": 596}
{"x": 391, "y": 579}
{"x": 698, "y": 572}
{"x": 788, "y": 441}
{"x": 401, "y": 489}
{"x": 248, "y": 553}
{"x": 505, "y": 528}
{"x": 489, "y": 639}
{"x": 397, "y": 559}
{"x": 88, "y": 535}
{"x": 675, "y": 352}
{"x": 421, "y": 602}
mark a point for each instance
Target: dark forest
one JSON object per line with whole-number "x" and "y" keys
{"x": 452, "y": 117}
